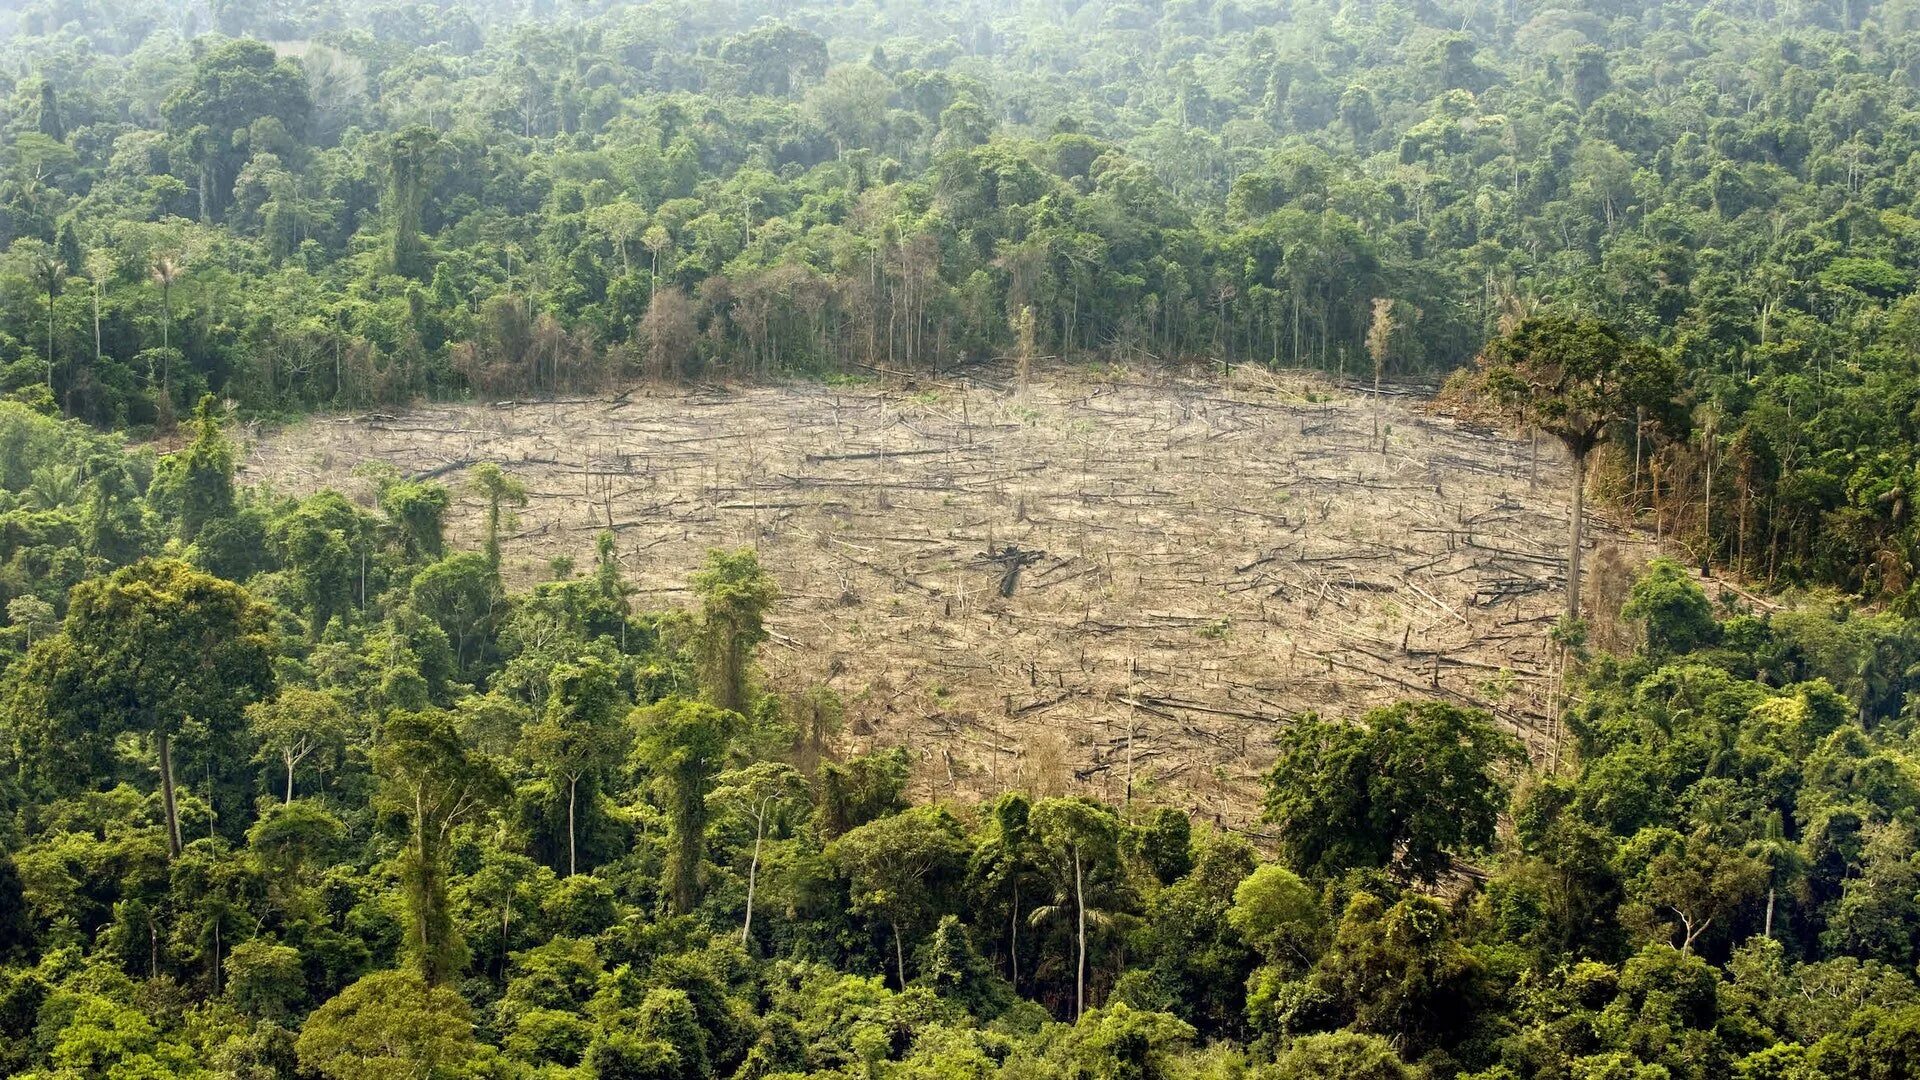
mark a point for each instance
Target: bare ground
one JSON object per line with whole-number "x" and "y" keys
{"x": 1187, "y": 564}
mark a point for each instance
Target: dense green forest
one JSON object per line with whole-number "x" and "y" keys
{"x": 294, "y": 787}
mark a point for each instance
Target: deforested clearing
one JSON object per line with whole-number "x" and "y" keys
{"x": 1093, "y": 583}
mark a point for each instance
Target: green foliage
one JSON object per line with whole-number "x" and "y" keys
{"x": 1278, "y": 915}
{"x": 391, "y": 1023}
{"x": 195, "y": 486}
{"x": 582, "y": 736}
{"x": 735, "y": 594}
{"x": 1341, "y": 1056}
{"x": 433, "y": 782}
{"x": 1406, "y": 788}
{"x": 901, "y": 870}
{"x": 1672, "y": 609}
{"x": 683, "y": 745}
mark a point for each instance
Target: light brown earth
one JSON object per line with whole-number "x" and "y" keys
{"x": 1201, "y": 561}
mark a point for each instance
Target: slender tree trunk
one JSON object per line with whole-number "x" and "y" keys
{"x": 1080, "y": 973}
{"x": 573, "y": 786}
{"x": 1768, "y": 931}
{"x": 753, "y": 876}
{"x": 289, "y": 759}
{"x": 164, "y": 746}
{"x": 1013, "y": 938}
{"x": 1639, "y": 431}
{"x": 899, "y": 957}
{"x": 1706, "y": 557}
{"x": 1574, "y": 535}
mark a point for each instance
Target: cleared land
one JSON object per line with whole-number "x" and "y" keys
{"x": 1094, "y": 582}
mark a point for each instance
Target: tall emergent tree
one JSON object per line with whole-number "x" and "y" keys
{"x": 1574, "y": 377}
{"x": 412, "y": 154}
{"x": 581, "y": 736}
{"x": 500, "y": 491}
{"x": 735, "y": 593}
{"x": 684, "y": 744}
{"x": 152, "y": 649}
{"x": 434, "y": 782}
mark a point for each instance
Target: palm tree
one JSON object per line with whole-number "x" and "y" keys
{"x": 166, "y": 270}
{"x": 48, "y": 272}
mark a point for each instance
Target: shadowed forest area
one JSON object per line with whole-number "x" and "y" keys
{"x": 1130, "y": 540}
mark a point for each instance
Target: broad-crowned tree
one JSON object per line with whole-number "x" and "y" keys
{"x": 390, "y": 1024}
{"x": 158, "y": 649}
{"x": 416, "y": 513}
{"x": 768, "y": 794}
{"x": 904, "y": 871}
{"x": 1575, "y": 378}
{"x": 1079, "y": 844}
{"x": 327, "y": 546}
{"x": 1405, "y": 788}
{"x": 298, "y": 724}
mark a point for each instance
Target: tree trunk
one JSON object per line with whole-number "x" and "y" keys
{"x": 899, "y": 957}
{"x": 165, "y": 748}
{"x": 1768, "y": 931}
{"x": 289, "y": 760}
{"x": 1577, "y": 521}
{"x": 1706, "y": 557}
{"x": 1013, "y": 941}
{"x": 1639, "y": 430}
{"x": 1080, "y": 973}
{"x": 573, "y": 785}
{"x": 753, "y": 875}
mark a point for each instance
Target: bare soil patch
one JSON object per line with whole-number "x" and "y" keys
{"x": 1093, "y": 583}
